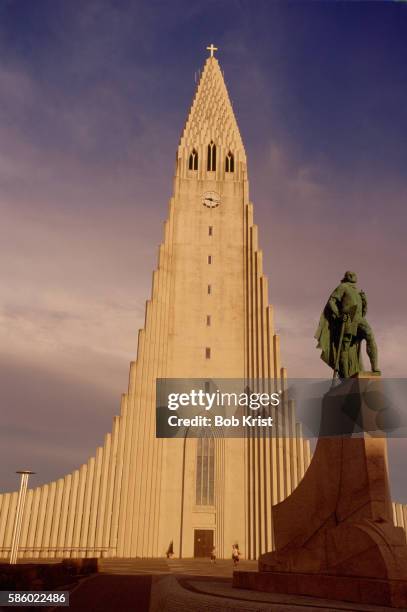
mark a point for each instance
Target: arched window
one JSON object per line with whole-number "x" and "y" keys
{"x": 205, "y": 470}
{"x": 193, "y": 160}
{"x": 230, "y": 162}
{"x": 211, "y": 166}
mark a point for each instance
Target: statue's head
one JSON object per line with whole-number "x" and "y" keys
{"x": 349, "y": 277}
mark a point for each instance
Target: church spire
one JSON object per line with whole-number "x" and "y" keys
{"x": 211, "y": 120}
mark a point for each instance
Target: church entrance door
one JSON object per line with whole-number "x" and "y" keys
{"x": 203, "y": 542}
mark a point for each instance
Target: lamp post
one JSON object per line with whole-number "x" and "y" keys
{"x": 18, "y": 521}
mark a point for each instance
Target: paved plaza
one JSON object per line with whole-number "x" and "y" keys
{"x": 185, "y": 585}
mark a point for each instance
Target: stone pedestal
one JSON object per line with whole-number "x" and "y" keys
{"x": 334, "y": 535}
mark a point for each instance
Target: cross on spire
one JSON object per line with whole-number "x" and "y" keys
{"x": 212, "y": 48}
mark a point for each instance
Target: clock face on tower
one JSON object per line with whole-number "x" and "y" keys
{"x": 211, "y": 199}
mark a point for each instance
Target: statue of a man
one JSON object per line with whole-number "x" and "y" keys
{"x": 343, "y": 326}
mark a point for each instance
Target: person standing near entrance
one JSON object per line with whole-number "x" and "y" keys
{"x": 170, "y": 551}
{"x": 235, "y": 554}
{"x": 213, "y": 555}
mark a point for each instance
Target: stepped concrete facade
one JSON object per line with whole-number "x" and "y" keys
{"x": 208, "y": 317}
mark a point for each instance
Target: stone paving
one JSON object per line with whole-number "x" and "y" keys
{"x": 197, "y": 585}
{"x": 172, "y": 594}
{"x": 223, "y": 568}
{"x": 186, "y": 585}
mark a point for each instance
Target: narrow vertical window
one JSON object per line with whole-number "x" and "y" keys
{"x": 205, "y": 471}
{"x": 207, "y": 353}
{"x": 209, "y": 259}
{"x": 208, "y": 320}
{"x": 193, "y": 160}
{"x": 211, "y": 161}
{"x": 209, "y": 289}
{"x": 210, "y": 230}
{"x": 230, "y": 162}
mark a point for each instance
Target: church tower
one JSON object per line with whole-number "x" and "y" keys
{"x": 208, "y": 317}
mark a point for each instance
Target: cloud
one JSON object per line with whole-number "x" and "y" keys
{"x": 52, "y": 419}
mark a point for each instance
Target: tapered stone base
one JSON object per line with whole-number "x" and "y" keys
{"x": 334, "y": 534}
{"x": 391, "y": 593}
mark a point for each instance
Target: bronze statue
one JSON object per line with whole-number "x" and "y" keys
{"x": 343, "y": 326}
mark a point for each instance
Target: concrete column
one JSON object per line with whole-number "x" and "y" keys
{"x": 118, "y": 496}
{"x": 92, "y": 540}
{"x": 87, "y": 531}
{"x": 111, "y": 503}
{"x": 101, "y": 495}
{"x": 56, "y": 519}
{"x": 62, "y": 528}
{"x": 76, "y": 538}
{"x": 71, "y": 512}
{"x": 40, "y": 520}
{"x": 49, "y": 517}
{"x": 300, "y": 451}
{"x": 26, "y": 523}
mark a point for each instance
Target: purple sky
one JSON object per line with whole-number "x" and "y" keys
{"x": 92, "y": 104}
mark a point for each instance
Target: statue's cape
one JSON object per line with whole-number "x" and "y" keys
{"x": 327, "y": 334}
{"x": 324, "y": 335}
